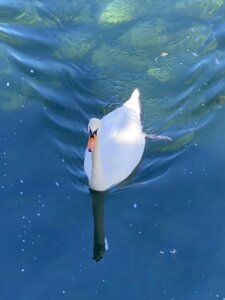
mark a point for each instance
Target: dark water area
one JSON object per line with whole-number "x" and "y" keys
{"x": 62, "y": 64}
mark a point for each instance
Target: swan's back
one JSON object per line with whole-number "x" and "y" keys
{"x": 122, "y": 140}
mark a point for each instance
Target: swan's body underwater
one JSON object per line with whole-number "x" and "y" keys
{"x": 116, "y": 145}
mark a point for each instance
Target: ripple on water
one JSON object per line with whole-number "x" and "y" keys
{"x": 72, "y": 90}
{"x": 62, "y": 63}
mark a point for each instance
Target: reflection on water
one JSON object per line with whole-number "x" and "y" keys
{"x": 98, "y": 199}
{"x": 63, "y": 63}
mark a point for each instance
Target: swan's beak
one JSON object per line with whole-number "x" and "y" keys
{"x": 91, "y": 143}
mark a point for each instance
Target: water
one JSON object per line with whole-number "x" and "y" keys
{"x": 62, "y": 64}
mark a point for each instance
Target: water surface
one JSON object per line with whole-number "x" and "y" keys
{"x": 62, "y": 64}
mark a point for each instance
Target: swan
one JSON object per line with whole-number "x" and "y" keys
{"x": 115, "y": 145}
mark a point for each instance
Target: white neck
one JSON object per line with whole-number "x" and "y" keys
{"x": 97, "y": 179}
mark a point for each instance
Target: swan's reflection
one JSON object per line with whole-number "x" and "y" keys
{"x": 99, "y": 231}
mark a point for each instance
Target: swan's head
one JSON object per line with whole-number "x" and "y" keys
{"x": 93, "y": 127}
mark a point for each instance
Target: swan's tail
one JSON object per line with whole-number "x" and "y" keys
{"x": 134, "y": 102}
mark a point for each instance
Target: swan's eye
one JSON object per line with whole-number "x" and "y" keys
{"x": 93, "y": 133}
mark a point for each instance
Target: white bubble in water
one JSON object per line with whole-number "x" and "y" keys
{"x": 173, "y": 251}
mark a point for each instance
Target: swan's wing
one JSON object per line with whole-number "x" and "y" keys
{"x": 122, "y": 143}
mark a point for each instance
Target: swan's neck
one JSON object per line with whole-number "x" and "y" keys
{"x": 97, "y": 180}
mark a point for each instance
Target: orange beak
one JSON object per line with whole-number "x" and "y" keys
{"x": 91, "y": 143}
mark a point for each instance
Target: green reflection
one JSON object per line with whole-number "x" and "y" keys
{"x": 203, "y": 9}
{"x": 118, "y": 12}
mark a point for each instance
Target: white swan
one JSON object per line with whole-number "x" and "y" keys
{"x": 115, "y": 146}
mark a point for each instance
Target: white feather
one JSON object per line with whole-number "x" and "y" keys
{"x": 119, "y": 147}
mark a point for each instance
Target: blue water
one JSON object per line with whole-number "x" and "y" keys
{"x": 62, "y": 64}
